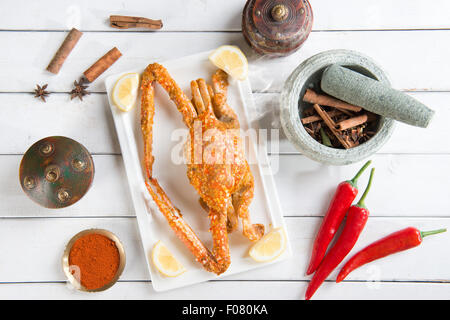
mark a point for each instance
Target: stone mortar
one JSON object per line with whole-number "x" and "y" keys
{"x": 308, "y": 76}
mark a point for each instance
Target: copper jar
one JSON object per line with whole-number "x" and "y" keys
{"x": 276, "y": 27}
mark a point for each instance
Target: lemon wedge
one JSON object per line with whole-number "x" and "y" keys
{"x": 125, "y": 91}
{"x": 269, "y": 247}
{"x": 165, "y": 262}
{"x": 231, "y": 60}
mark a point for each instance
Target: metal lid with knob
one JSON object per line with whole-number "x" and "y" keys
{"x": 56, "y": 172}
{"x": 276, "y": 27}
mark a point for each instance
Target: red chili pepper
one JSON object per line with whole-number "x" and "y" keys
{"x": 342, "y": 200}
{"x": 356, "y": 220}
{"x": 395, "y": 242}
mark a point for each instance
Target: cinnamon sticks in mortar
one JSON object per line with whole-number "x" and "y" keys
{"x": 339, "y": 123}
{"x": 325, "y": 100}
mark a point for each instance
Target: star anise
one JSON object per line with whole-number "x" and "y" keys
{"x": 40, "y": 92}
{"x": 79, "y": 89}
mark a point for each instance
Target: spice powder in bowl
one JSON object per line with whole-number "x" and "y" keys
{"x": 94, "y": 260}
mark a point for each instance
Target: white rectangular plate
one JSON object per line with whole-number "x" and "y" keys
{"x": 169, "y": 135}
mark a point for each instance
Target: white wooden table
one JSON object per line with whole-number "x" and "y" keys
{"x": 410, "y": 39}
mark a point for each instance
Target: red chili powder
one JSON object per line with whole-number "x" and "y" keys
{"x": 97, "y": 258}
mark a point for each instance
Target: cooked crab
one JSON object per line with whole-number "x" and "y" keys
{"x": 216, "y": 166}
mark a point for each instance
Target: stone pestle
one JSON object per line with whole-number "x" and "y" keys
{"x": 374, "y": 96}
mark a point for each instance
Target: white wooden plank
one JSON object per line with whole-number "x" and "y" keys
{"x": 43, "y": 240}
{"x": 200, "y": 15}
{"x": 404, "y": 185}
{"x": 108, "y": 196}
{"x": 381, "y": 14}
{"x": 90, "y": 122}
{"x": 235, "y": 290}
{"x": 26, "y": 120}
{"x": 405, "y": 139}
{"x": 138, "y": 49}
{"x": 416, "y": 185}
{"x": 424, "y": 262}
{"x": 177, "y": 15}
{"x": 48, "y": 240}
{"x": 408, "y": 64}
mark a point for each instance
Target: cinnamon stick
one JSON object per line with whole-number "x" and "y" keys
{"x": 331, "y": 125}
{"x": 352, "y": 122}
{"x": 324, "y": 100}
{"x": 311, "y": 119}
{"x": 125, "y": 22}
{"x": 102, "y": 64}
{"x": 63, "y": 52}
{"x": 311, "y": 132}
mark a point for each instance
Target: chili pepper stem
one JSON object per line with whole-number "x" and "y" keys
{"x": 355, "y": 179}
{"x": 369, "y": 184}
{"x": 429, "y": 233}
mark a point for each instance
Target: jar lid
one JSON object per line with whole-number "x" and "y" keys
{"x": 56, "y": 172}
{"x": 276, "y": 27}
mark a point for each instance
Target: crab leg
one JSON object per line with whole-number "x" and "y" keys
{"x": 182, "y": 230}
{"x": 241, "y": 201}
{"x": 232, "y": 220}
{"x": 222, "y": 110}
{"x": 156, "y": 72}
